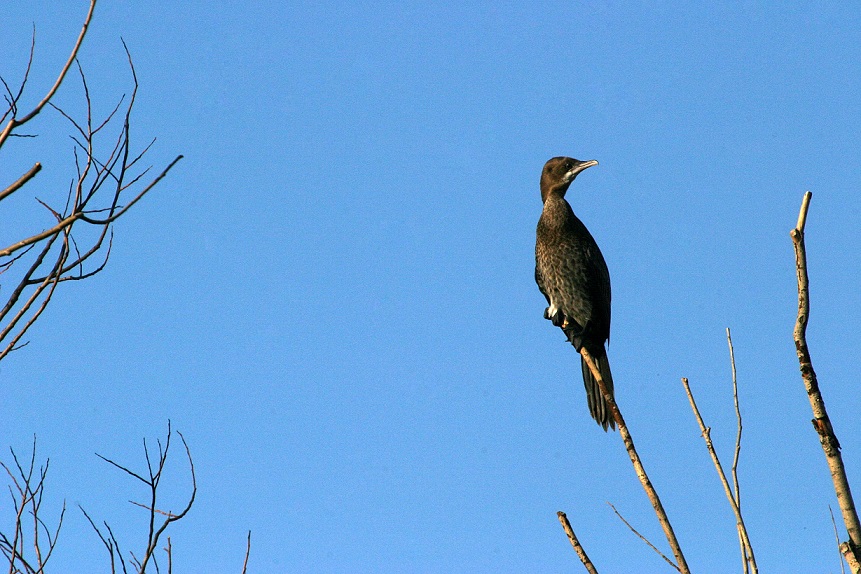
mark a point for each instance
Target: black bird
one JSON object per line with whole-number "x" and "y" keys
{"x": 573, "y": 277}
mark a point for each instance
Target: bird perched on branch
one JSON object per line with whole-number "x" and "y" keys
{"x": 573, "y": 277}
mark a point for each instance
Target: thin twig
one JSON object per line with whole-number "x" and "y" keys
{"x": 643, "y": 538}
{"x": 248, "y": 553}
{"x": 14, "y": 122}
{"x": 20, "y": 181}
{"x": 745, "y": 560}
{"x": 821, "y": 421}
{"x": 638, "y": 465}
{"x": 837, "y": 539}
{"x": 563, "y": 518}
{"x": 739, "y": 521}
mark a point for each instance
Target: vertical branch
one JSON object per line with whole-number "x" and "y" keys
{"x": 747, "y": 549}
{"x": 745, "y": 557}
{"x": 638, "y": 465}
{"x": 821, "y": 422}
{"x": 563, "y": 519}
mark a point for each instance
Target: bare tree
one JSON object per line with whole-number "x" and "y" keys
{"x": 108, "y": 179}
{"x": 30, "y": 542}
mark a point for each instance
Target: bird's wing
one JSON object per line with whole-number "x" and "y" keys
{"x": 539, "y": 279}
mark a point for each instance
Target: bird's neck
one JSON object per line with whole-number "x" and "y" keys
{"x": 556, "y": 210}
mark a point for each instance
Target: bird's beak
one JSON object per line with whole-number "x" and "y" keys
{"x": 580, "y": 167}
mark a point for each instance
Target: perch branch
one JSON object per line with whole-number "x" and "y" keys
{"x": 638, "y": 465}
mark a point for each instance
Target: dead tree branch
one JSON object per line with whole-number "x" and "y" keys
{"x": 743, "y": 547}
{"x": 151, "y": 478}
{"x": 747, "y": 549}
{"x": 821, "y": 421}
{"x": 16, "y": 122}
{"x": 248, "y": 553}
{"x": 28, "y": 556}
{"x": 563, "y": 519}
{"x": 837, "y": 540}
{"x": 643, "y": 538}
{"x": 638, "y": 465}
{"x": 107, "y": 183}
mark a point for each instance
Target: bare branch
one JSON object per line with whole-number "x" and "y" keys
{"x": 248, "y": 552}
{"x": 115, "y": 216}
{"x": 14, "y": 122}
{"x": 21, "y": 181}
{"x": 13, "y": 98}
{"x": 643, "y": 538}
{"x": 565, "y": 525}
{"x": 91, "y": 176}
{"x": 152, "y": 478}
{"x": 821, "y": 421}
{"x": 706, "y": 432}
{"x": 837, "y": 539}
{"x": 638, "y": 465}
{"x": 29, "y": 486}
{"x": 734, "y": 471}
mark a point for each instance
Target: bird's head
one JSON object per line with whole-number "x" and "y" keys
{"x": 559, "y": 172}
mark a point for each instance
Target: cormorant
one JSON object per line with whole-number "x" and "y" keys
{"x": 573, "y": 277}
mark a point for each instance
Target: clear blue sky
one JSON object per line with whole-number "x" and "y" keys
{"x": 332, "y": 295}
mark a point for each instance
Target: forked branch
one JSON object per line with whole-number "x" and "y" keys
{"x": 159, "y": 519}
{"x": 746, "y": 550}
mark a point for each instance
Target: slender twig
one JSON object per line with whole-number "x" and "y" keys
{"x": 26, "y": 490}
{"x": 739, "y": 520}
{"x": 745, "y": 563}
{"x": 20, "y": 181}
{"x": 837, "y": 539}
{"x": 821, "y": 421}
{"x": 638, "y": 465}
{"x": 15, "y": 122}
{"x": 643, "y": 538}
{"x": 143, "y": 192}
{"x": 563, "y": 518}
{"x": 248, "y": 553}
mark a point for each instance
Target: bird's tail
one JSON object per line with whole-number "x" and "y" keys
{"x": 598, "y": 407}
